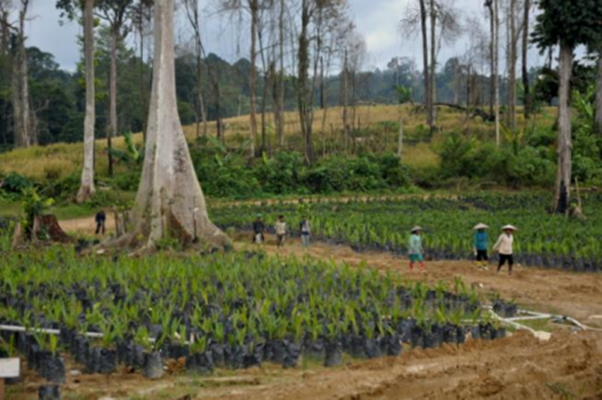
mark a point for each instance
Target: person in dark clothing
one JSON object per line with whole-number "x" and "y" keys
{"x": 305, "y": 232}
{"x": 258, "y": 230}
{"x": 100, "y": 218}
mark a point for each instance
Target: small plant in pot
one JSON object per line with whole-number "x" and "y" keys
{"x": 294, "y": 344}
{"x": 177, "y": 347}
{"x": 70, "y": 315}
{"x": 276, "y": 332}
{"x": 102, "y": 357}
{"x": 254, "y": 347}
{"x": 52, "y": 366}
{"x": 200, "y": 360}
{"x": 314, "y": 344}
{"x": 372, "y": 347}
{"x": 153, "y": 363}
{"x": 333, "y": 346}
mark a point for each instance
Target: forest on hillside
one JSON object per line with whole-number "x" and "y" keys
{"x": 58, "y": 96}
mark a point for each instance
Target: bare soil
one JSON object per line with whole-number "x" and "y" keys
{"x": 568, "y": 366}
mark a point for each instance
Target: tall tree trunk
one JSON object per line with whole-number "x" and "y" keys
{"x": 254, "y": 4}
{"x": 457, "y": 83}
{"x": 170, "y": 202}
{"x": 87, "y": 189}
{"x": 346, "y": 132}
{"x": 525, "y": 60}
{"x": 281, "y": 81}
{"x": 433, "y": 75}
{"x": 496, "y": 74}
{"x": 425, "y": 60}
{"x": 492, "y": 50}
{"x": 221, "y": 136}
{"x": 322, "y": 86}
{"x": 23, "y": 115}
{"x": 304, "y": 92}
{"x": 512, "y": 67}
{"x": 400, "y": 133}
{"x": 112, "y": 131}
{"x": 565, "y": 144}
{"x": 143, "y": 94}
{"x": 199, "y": 93}
{"x": 598, "y": 122}
{"x": 265, "y": 76}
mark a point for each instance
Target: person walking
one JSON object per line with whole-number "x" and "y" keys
{"x": 415, "y": 249}
{"x": 305, "y": 232}
{"x": 504, "y": 247}
{"x": 480, "y": 246}
{"x": 280, "y": 228}
{"x": 100, "y": 220}
{"x": 258, "y": 230}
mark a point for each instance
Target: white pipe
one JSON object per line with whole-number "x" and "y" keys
{"x": 12, "y": 328}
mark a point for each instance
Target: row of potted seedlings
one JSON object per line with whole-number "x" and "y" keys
{"x": 221, "y": 311}
{"x": 544, "y": 240}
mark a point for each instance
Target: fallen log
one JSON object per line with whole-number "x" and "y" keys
{"x": 475, "y": 112}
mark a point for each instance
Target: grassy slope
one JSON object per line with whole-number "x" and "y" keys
{"x": 60, "y": 160}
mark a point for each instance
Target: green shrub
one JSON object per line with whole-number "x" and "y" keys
{"x": 281, "y": 173}
{"x": 15, "y": 183}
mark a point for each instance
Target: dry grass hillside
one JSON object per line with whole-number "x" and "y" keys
{"x": 60, "y": 160}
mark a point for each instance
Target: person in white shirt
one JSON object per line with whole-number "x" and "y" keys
{"x": 504, "y": 247}
{"x": 280, "y": 229}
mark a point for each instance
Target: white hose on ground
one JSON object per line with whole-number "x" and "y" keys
{"x": 534, "y": 315}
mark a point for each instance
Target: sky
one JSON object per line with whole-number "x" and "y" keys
{"x": 376, "y": 20}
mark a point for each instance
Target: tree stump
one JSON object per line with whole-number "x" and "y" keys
{"x": 45, "y": 228}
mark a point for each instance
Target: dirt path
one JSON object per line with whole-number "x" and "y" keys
{"x": 86, "y": 225}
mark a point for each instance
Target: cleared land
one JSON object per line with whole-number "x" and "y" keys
{"x": 567, "y": 366}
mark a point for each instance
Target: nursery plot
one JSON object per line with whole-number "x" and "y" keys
{"x": 544, "y": 239}
{"x": 230, "y": 311}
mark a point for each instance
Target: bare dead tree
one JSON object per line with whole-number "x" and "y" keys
{"x": 252, "y": 8}
{"x": 525, "y": 55}
{"x": 117, "y": 13}
{"x": 142, "y": 15}
{"x": 193, "y": 14}
{"x": 493, "y": 7}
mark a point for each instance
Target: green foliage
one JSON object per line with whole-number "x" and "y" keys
{"x": 515, "y": 164}
{"x": 404, "y": 94}
{"x": 132, "y": 154}
{"x": 15, "y": 183}
{"x": 33, "y": 205}
{"x": 574, "y": 23}
{"x": 587, "y": 145}
{"x": 229, "y": 175}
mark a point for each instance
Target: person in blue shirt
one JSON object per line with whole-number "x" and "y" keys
{"x": 415, "y": 249}
{"x": 480, "y": 246}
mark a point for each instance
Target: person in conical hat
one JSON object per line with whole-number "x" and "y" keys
{"x": 480, "y": 246}
{"x": 415, "y": 249}
{"x": 505, "y": 248}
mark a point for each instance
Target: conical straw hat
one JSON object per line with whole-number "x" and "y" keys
{"x": 480, "y": 226}
{"x": 416, "y": 229}
{"x": 509, "y": 228}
